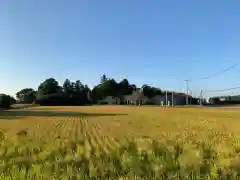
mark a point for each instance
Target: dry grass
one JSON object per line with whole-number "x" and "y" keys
{"x": 104, "y": 128}
{"x": 188, "y": 124}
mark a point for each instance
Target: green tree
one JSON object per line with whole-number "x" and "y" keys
{"x": 5, "y": 101}
{"x": 96, "y": 94}
{"x": 214, "y": 100}
{"x": 76, "y": 93}
{"x": 149, "y": 91}
{"x": 79, "y": 86}
{"x": 104, "y": 78}
{"x": 89, "y": 93}
{"x": 50, "y": 93}
{"x": 26, "y": 95}
{"x": 109, "y": 88}
{"x": 126, "y": 88}
{"x": 67, "y": 86}
{"x": 12, "y": 100}
{"x": 49, "y": 86}
{"x": 133, "y": 87}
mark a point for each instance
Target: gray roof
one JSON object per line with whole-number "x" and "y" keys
{"x": 135, "y": 95}
{"x": 110, "y": 98}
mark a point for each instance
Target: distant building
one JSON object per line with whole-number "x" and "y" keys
{"x": 137, "y": 97}
{"x": 110, "y": 100}
{"x": 168, "y": 100}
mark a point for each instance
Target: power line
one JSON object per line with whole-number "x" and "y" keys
{"x": 219, "y": 90}
{"x": 211, "y": 76}
{"x": 202, "y": 78}
{"x": 216, "y": 74}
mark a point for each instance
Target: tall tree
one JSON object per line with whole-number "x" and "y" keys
{"x": 86, "y": 92}
{"x": 125, "y": 87}
{"x": 50, "y": 93}
{"x": 77, "y": 96}
{"x": 104, "y": 78}
{"x": 26, "y": 95}
{"x": 67, "y": 87}
{"x": 49, "y": 86}
{"x": 78, "y": 86}
{"x": 133, "y": 87}
{"x": 109, "y": 88}
{"x": 148, "y": 91}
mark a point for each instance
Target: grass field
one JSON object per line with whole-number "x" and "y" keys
{"x": 52, "y": 139}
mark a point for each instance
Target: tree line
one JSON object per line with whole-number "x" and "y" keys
{"x": 225, "y": 100}
{"x": 50, "y": 92}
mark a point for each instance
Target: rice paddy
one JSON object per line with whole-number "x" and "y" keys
{"x": 110, "y": 142}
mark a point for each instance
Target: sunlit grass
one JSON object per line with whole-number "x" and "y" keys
{"x": 111, "y": 142}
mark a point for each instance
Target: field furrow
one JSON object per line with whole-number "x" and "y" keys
{"x": 65, "y": 133}
{"x": 91, "y": 135}
{"x": 78, "y": 129}
{"x": 110, "y": 143}
{"x": 96, "y": 142}
{"x": 43, "y": 128}
{"x": 71, "y": 129}
{"x": 55, "y": 133}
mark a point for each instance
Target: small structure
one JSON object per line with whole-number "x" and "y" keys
{"x": 137, "y": 98}
{"x": 110, "y": 100}
{"x": 162, "y": 100}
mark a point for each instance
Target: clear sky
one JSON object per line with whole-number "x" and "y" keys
{"x": 144, "y": 41}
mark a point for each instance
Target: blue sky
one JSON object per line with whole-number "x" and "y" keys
{"x": 156, "y": 42}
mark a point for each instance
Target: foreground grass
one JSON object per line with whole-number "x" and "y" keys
{"x": 23, "y": 158}
{"x": 114, "y": 142}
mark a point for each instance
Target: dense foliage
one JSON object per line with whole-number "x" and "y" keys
{"x": 6, "y": 101}
{"x": 50, "y": 92}
{"x": 26, "y": 95}
{"x": 224, "y": 100}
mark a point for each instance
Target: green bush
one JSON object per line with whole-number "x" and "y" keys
{"x": 5, "y": 101}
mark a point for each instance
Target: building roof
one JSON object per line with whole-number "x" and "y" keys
{"x": 138, "y": 94}
{"x": 110, "y": 98}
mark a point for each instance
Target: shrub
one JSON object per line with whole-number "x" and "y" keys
{"x": 51, "y": 100}
{"x": 103, "y": 102}
{"x": 5, "y": 101}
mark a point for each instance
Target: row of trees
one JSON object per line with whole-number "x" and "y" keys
{"x": 70, "y": 93}
{"x": 224, "y": 100}
{"x": 50, "y": 92}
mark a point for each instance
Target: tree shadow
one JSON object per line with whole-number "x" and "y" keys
{"x": 16, "y": 114}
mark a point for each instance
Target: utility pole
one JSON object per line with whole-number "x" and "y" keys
{"x": 201, "y": 98}
{"x": 166, "y": 98}
{"x": 190, "y": 93}
{"x": 187, "y": 91}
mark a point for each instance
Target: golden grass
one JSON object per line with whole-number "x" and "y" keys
{"x": 45, "y": 134}
{"x": 187, "y": 125}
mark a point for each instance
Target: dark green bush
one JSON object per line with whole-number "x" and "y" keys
{"x": 5, "y": 101}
